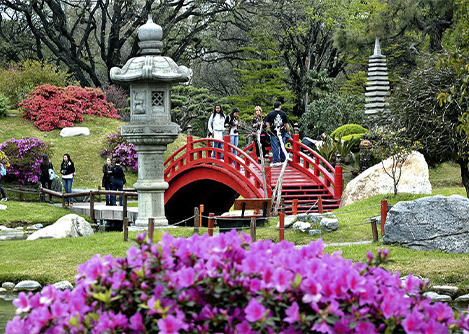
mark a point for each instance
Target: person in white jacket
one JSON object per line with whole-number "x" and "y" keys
{"x": 216, "y": 127}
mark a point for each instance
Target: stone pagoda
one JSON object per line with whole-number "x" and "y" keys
{"x": 377, "y": 90}
{"x": 150, "y": 128}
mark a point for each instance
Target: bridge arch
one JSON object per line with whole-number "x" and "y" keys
{"x": 197, "y": 174}
{"x": 213, "y": 186}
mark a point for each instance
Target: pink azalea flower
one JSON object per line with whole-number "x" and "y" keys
{"x": 254, "y": 311}
{"x": 292, "y": 313}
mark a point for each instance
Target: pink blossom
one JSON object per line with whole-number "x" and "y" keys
{"x": 254, "y": 311}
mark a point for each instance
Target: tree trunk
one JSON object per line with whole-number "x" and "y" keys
{"x": 464, "y": 173}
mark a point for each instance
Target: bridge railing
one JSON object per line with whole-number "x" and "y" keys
{"x": 200, "y": 151}
{"x": 311, "y": 163}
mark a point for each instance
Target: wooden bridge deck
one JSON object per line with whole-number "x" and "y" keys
{"x": 103, "y": 212}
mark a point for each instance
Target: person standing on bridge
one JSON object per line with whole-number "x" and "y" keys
{"x": 107, "y": 174}
{"x": 117, "y": 181}
{"x": 67, "y": 169}
{"x": 46, "y": 177}
{"x": 233, "y": 122}
{"x": 216, "y": 127}
{"x": 277, "y": 125}
{"x": 258, "y": 122}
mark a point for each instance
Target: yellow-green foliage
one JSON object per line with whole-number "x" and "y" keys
{"x": 348, "y": 129}
{"x": 18, "y": 79}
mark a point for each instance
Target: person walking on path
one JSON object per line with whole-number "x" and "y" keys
{"x": 67, "y": 169}
{"x": 233, "y": 122}
{"x": 117, "y": 181}
{"x": 258, "y": 123}
{"x": 3, "y": 172}
{"x": 107, "y": 174}
{"x": 47, "y": 176}
{"x": 216, "y": 127}
{"x": 277, "y": 126}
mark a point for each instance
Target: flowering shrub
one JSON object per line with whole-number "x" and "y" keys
{"x": 225, "y": 284}
{"x": 51, "y": 107}
{"x": 25, "y": 156}
{"x": 115, "y": 146}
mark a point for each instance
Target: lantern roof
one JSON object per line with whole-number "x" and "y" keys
{"x": 150, "y": 65}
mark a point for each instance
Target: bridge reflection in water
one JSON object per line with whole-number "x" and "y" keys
{"x": 196, "y": 178}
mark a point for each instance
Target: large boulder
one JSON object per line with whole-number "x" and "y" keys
{"x": 430, "y": 223}
{"x": 375, "y": 181}
{"x": 69, "y": 226}
{"x": 74, "y": 131}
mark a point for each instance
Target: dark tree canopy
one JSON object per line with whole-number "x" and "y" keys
{"x": 91, "y": 37}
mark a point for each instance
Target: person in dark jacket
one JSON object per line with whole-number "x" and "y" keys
{"x": 258, "y": 122}
{"x": 107, "y": 174}
{"x": 67, "y": 169}
{"x": 45, "y": 177}
{"x": 117, "y": 181}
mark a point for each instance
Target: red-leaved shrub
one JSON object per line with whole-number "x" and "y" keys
{"x": 51, "y": 107}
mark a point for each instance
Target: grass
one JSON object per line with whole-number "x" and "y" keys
{"x": 84, "y": 150}
{"x": 49, "y": 260}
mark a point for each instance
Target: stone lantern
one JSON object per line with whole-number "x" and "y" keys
{"x": 150, "y": 128}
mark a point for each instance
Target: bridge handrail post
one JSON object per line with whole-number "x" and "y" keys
{"x": 196, "y": 220}
{"x": 226, "y": 144}
{"x": 189, "y": 145}
{"x": 296, "y": 140}
{"x": 338, "y": 182}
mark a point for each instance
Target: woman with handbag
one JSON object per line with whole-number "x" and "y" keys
{"x": 67, "y": 169}
{"x": 47, "y": 176}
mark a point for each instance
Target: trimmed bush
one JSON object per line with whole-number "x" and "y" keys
{"x": 25, "y": 156}
{"x": 51, "y": 107}
{"x": 348, "y": 129}
{"x": 4, "y": 105}
{"x": 115, "y": 146}
{"x": 226, "y": 284}
{"x": 19, "y": 79}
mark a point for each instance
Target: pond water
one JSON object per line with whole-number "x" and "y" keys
{"x": 7, "y": 312}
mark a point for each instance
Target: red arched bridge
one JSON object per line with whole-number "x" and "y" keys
{"x": 196, "y": 178}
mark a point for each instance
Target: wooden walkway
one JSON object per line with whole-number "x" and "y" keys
{"x": 103, "y": 212}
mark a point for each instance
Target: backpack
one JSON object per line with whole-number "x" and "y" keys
{"x": 52, "y": 175}
{"x": 3, "y": 171}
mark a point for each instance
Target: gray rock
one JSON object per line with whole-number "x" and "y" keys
{"x": 69, "y": 226}
{"x": 463, "y": 298}
{"x": 302, "y": 217}
{"x": 435, "y": 297}
{"x": 430, "y": 223}
{"x": 63, "y": 285}
{"x": 34, "y": 227}
{"x": 314, "y": 217}
{"x": 27, "y": 286}
{"x": 314, "y": 232}
{"x": 445, "y": 290}
{"x": 374, "y": 181}
{"x": 8, "y": 286}
{"x": 74, "y": 131}
{"x": 289, "y": 220}
{"x": 329, "y": 224}
{"x": 302, "y": 226}
{"x": 3, "y": 291}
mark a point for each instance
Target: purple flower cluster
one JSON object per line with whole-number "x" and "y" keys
{"x": 226, "y": 284}
{"x": 25, "y": 156}
{"x": 115, "y": 146}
